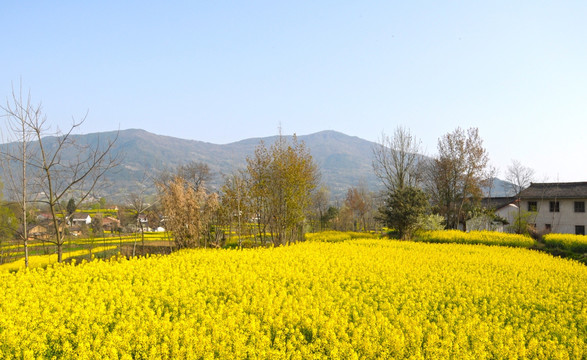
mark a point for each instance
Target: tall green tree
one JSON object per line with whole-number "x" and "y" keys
{"x": 403, "y": 209}
{"x": 70, "y": 207}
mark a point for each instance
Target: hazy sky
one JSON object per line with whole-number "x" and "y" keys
{"x": 221, "y": 71}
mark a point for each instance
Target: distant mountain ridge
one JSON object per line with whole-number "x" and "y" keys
{"x": 343, "y": 160}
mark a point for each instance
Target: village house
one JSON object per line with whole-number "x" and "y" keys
{"x": 558, "y": 207}
{"x": 37, "y": 232}
{"x": 504, "y": 208}
{"x": 80, "y": 219}
{"x": 110, "y": 224}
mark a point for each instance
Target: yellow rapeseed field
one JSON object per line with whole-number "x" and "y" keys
{"x": 475, "y": 237}
{"x": 335, "y": 236}
{"x": 362, "y": 299}
{"x": 45, "y": 260}
{"x": 577, "y": 243}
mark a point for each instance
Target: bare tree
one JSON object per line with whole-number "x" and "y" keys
{"x": 64, "y": 166}
{"x": 19, "y": 112}
{"x": 258, "y": 182}
{"x": 195, "y": 174}
{"x": 358, "y": 201}
{"x": 519, "y": 177}
{"x": 236, "y": 200}
{"x": 457, "y": 174}
{"x": 188, "y": 212}
{"x": 491, "y": 174}
{"x": 321, "y": 199}
{"x": 396, "y": 160}
{"x": 136, "y": 202}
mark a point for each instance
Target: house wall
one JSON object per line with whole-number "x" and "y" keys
{"x": 564, "y": 221}
{"x": 508, "y": 212}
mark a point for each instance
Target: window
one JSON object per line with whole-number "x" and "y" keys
{"x": 554, "y": 206}
{"x": 580, "y": 206}
{"x": 579, "y": 229}
{"x": 532, "y": 206}
{"x": 548, "y": 227}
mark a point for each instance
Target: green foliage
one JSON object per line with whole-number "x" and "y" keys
{"x": 522, "y": 221}
{"x": 8, "y": 223}
{"x": 330, "y": 215}
{"x": 282, "y": 179}
{"x": 71, "y": 206}
{"x": 431, "y": 222}
{"x": 403, "y": 210}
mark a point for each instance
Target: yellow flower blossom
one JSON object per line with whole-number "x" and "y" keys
{"x": 362, "y": 299}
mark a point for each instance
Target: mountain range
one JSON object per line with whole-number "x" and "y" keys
{"x": 343, "y": 160}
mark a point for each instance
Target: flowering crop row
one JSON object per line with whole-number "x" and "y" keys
{"x": 335, "y": 236}
{"x": 44, "y": 260}
{"x": 475, "y": 237}
{"x": 365, "y": 299}
{"x": 90, "y": 245}
{"x": 110, "y": 239}
{"x": 576, "y": 243}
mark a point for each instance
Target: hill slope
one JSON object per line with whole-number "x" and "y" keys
{"x": 343, "y": 160}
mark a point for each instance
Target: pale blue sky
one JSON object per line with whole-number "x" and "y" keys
{"x": 221, "y": 71}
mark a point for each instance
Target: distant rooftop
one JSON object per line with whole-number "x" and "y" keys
{"x": 568, "y": 190}
{"x": 497, "y": 202}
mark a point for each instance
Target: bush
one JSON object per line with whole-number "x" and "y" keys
{"x": 431, "y": 222}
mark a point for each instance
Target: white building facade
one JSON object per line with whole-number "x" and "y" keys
{"x": 557, "y": 207}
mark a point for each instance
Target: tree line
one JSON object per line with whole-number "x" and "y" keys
{"x": 273, "y": 199}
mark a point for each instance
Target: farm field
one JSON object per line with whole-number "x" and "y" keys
{"x": 475, "y": 237}
{"x": 577, "y": 243}
{"x": 351, "y": 299}
{"x": 45, "y": 253}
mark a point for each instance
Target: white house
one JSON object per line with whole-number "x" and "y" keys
{"x": 80, "y": 218}
{"x": 504, "y": 207}
{"x": 558, "y": 207}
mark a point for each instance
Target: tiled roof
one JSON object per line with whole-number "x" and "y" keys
{"x": 572, "y": 190}
{"x": 496, "y": 202}
{"x": 79, "y": 216}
